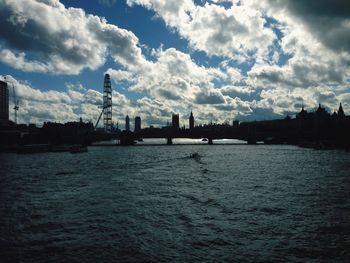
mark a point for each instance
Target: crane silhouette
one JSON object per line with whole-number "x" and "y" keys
{"x": 98, "y": 120}
{"x": 15, "y": 100}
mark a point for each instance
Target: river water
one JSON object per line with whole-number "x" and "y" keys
{"x": 233, "y": 203}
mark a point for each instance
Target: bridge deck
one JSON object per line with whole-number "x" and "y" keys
{"x": 164, "y": 144}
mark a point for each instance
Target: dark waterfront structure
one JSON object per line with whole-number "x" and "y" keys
{"x": 107, "y": 103}
{"x": 235, "y": 123}
{"x": 137, "y": 127}
{"x": 68, "y": 133}
{"x": 321, "y": 126}
{"x": 14, "y": 137}
{"x": 175, "y": 122}
{"x": 127, "y": 123}
{"x": 191, "y": 121}
{"x": 4, "y": 103}
{"x": 318, "y": 129}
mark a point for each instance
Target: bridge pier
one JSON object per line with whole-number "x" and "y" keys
{"x": 210, "y": 141}
{"x": 126, "y": 140}
{"x": 251, "y": 140}
{"x": 169, "y": 141}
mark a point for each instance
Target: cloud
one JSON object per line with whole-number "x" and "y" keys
{"x": 288, "y": 61}
{"x": 18, "y": 61}
{"x": 246, "y": 93}
{"x": 313, "y": 34}
{"x": 120, "y": 74}
{"x": 174, "y": 12}
{"x": 210, "y": 97}
{"x": 284, "y": 101}
{"x": 44, "y": 36}
{"x": 174, "y": 75}
{"x": 313, "y": 61}
{"x": 168, "y": 94}
{"x": 328, "y": 21}
{"x": 237, "y": 31}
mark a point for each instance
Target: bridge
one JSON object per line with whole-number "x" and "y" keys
{"x": 128, "y": 138}
{"x": 277, "y": 131}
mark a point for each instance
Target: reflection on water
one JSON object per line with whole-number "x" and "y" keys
{"x": 180, "y": 203}
{"x": 163, "y": 141}
{"x": 190, "y": 141}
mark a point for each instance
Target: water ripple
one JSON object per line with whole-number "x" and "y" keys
{"x": 176, "y": 204}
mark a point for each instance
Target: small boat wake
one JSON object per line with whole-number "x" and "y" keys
{"x": 196, "y": 157}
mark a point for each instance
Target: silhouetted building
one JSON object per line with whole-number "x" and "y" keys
{"x": 321, "y": 112}
{"x": 137, "y": 124}
{"x": 340, "y": 111}
{"x": 302, "y": 114}
{"x": 191, "y": 121}
{"x": 4, "y": 103}
{"x": 303, "y": 120}
{"x": 127, "y": 123}
{"x": 175, "y": 123}
{"x": 61, "y": 133}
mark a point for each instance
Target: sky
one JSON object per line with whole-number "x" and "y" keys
{"x": 223, "y": 59}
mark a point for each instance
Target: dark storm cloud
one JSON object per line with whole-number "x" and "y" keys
{"x": 168, "y": 94}
{"x": 212, "y": 97}
{"x": 224, "y": 107}
{"x": 28, "y": 35}
{"x": 329, "y": 8}
{"x": 254, "y": 95}
{"x": 328, "y": 97}
{"x": 329, "y": 20}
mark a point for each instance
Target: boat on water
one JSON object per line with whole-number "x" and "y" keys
{"x": 78, "y": 149}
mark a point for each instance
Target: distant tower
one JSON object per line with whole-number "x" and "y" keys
{"x": 191, "y": 120}
{"x": 340, "y": 111}
{"x": 4, "y": 102}
{"x": 107, "y": 103}
{"x": 321, "y": 112}
{"x": 127, "y": 123}
{"x": 175, "y": 123}
{"x": 137, "y": 127}
{"x": 302, "y": 114}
